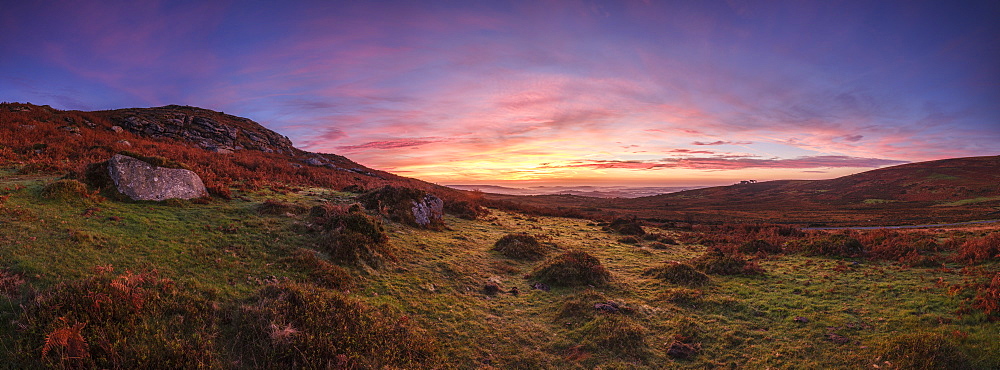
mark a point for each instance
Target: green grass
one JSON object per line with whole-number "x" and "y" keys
{"x": 968, "y": 201}
{"x": 230, "y": 253}
{"x": 878, "y": 201}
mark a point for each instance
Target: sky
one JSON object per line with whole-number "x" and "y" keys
{"x": 542, "y": 92}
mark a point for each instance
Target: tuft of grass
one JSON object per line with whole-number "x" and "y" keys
{"x": 678, "y": 273}
{"x": 614, "y": 334}
{"x": 302, "y": 326}
{"x": 717, "y": 261}
{"x": 924, "y": 351}
{"x": 758, "y": 246}
{"x": 520, "y": 246}
{"x": 355, "y": 238}
{"x": 66, "y": 190}
{"x": 572, "y": 268}
{"x": 319, "y": 271}
{"x": 273, "y": 207}
{"x": 626, "y": 226}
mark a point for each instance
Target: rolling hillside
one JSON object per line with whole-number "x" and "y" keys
{"x": 960, "y": 189}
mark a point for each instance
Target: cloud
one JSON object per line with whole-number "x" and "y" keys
{"x": 391, "y": 144}
{"x": 721, "y": 142}
{"x": 722, "y": 163}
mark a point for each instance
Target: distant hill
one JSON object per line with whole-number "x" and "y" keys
{"x": 959, "y": 189}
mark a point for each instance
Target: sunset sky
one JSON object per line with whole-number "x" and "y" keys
{"x": 542, "y": 92}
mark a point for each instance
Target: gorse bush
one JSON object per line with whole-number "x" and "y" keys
{"x": 111, "y": 320}
{"x": 520, "y": 246}
{"x": 291, "y": 325}
{"x": 572, "y": 268}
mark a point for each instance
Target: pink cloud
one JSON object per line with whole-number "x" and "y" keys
{"x": 721, "y": 142}
{"x": 390, "y": 144}
{"x": 710, "y": 163}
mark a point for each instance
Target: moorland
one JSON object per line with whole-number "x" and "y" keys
{"x": 283, "y": 266}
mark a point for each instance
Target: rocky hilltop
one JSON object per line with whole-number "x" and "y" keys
{"x": 205, "y": 128}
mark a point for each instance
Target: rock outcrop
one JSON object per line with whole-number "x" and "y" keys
{"x": 209, "y": 130}
{"x": 142, "y": 181}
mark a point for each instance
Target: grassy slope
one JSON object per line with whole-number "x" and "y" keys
{"x": 227, "y": 248}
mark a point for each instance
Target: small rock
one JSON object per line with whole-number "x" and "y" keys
{"x": 540, "y": 286}
{"x": 836, "y": 338}
{"x": 117, "y": 129}
{"x": 609, "y": 307}
{"x": 314, "y": 161}
{"x": 800, "y": 319}
{"x": 683, "y": 350}
{"x": 124, "y": 143}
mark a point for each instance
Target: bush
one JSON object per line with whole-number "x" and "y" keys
{"x": 352, "y": 237}
{"x": 980, "y": 249}
{"x": 924, "y": 351}
{"x": 291, "y": 325}
{"x": 113, "y": 320}
{"x": 838, "y": 245}
{"x": 717, "y": 261}
{"x": 572, "y": 268}
{"x": 519, "y": 246}
{"x": 678, "y": 273}
{"x": 758, "y": 246}
{"x": 987, "y": 297}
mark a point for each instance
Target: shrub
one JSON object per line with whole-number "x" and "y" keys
{"x": 758, "y": 246}
{"x": 291, "y": 325}
{"x": 572, "y": 268}
{"x": 717, "y": 261}
{"x": 838, "y": 245}
{"x": 980, "y": 249}
{"x": 113, "y": 320}
{"x": 678, "y": 273}
{"x": 519, "y": 246}
{"x": 924, "y": 351}
{"x": 352, "y": 237}
{"x": 67, "y": 191}
{"x": 626, "y": 226}
{"x": 987, "y": 297}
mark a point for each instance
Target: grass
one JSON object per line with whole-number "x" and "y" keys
{"x": 968, "y": 201}
{"x": 237, "y": 267}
